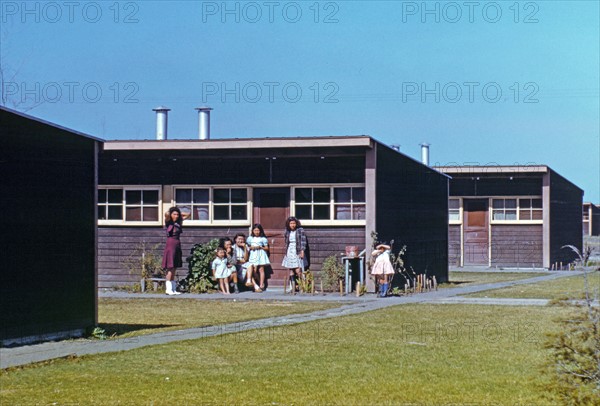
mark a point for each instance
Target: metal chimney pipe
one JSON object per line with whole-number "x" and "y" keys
{"x": 161, "y": 122}
{"x": 204, "y": 122}
{"x": 425, "y": 153}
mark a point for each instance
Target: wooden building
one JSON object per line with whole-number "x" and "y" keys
{"x": 591, "y": 219}
{"x": 341, "y": 188}
{"x": 49, "y": 185}
{"x": 512, "y": 216}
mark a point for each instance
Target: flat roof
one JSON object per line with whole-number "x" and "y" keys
{"x": 364, "y": 141}
{"x": 508, "y": 169}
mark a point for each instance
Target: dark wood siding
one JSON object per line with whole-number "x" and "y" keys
{"x": 495, "y": 185}
{"x": 227, "y": 167}
{"x": 595, "y": 220}
{"x": 48, "y": 198}
{"x": 454, "y": 245}
{"x": 517, "y": 245}
{"x": 566, "y": 227}
{"x": 116, "y": 244}
{"x": 412, "y": 210}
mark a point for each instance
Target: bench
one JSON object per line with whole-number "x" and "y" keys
{"x": 155, "y": 282}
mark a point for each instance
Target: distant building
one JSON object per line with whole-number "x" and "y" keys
{"x": 591, "y": 219}
{"x": 48, "y": 277}
{"x": 341, "y": 188}
{"x": 512, "y": 216}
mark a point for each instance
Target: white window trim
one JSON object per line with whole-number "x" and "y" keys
{"x": 211, "y": 221}
{"x": 123, "y": 222}
{"x": 331, "y": 221}
{"x": 460, "y": 212}
{"x": 518, "y": 208}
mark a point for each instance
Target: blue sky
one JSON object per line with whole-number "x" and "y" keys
{"x": 502, "y": 82}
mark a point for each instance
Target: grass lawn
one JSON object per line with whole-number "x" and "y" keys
{"x": 458, "y": 278}
{"x": 571, "y": 287}
{"x": 415, "y": 354}
{"x": 130, "y": 317}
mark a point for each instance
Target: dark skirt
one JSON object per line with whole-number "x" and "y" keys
{"x": 172, "y": 254}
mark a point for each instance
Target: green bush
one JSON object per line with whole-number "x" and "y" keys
{"x": 199, "y": 278}
{"x": 332, "y": 272}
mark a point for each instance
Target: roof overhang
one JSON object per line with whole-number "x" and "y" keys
{"x": 241, "y": 143}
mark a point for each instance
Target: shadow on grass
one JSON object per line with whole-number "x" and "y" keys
{"x": 117, "y": 329}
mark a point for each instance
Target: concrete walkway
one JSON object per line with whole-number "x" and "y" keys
{"x": 352, "y": 305}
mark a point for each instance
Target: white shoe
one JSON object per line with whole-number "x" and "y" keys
{"x": 174, "y": 288}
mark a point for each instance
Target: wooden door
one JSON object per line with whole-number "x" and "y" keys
{"x": 476, "y": 231}
{"x": 271, "y": 210}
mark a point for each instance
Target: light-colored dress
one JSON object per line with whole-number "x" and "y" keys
{"x": 291, "y": 259}
{"x": 219, "y": 265}
{"x": 240, "y": 255}
{"x": 258, "y": 257}
{"x": 383, "y": 264}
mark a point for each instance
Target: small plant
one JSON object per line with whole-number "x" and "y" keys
{"x": 146, "y": 262}
{"x": 199, "y": 278}
{"x": 305, "y": 284}
{"x": 332, "y": 272}
{"x": 575, "y": 350}
{"x": 99, "y": 333}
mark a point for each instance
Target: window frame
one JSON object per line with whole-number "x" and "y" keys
{"x": 123, "y": 221}
{"x": 518, "y": 209}
{"x": 460, "y": 211}
{"x": 332, "y": 204}
{"x": 211, "y": 205}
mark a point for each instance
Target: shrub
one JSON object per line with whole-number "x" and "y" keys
{"x": 575, "y": 350}
{"x": 146, "y": 262}
{"x": 199, "y": 278}
{"x": 332, "y": 272}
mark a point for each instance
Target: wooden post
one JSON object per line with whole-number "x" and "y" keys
{"x": 312, "y": 287}
{"x": 322, "y": 291}
{"x": 341, "y": 288}
{"x": 357, "y": 289}
{"x": 286, "y": 281}
{"x": 434, "y": 283}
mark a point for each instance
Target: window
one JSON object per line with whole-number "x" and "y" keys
{"x": 225, "y": 204}
{"x": 230, "y": 204}
{"x": 454, "y": 209}
{"x": 110, "y": 204}
{"x": 330, "y": 203}
{"x": 521, "y": 209}
{"x": 586, "y": 214}
{"x": 504, "y": 209}
{"x": 530, "y": 209}
{"x": 128, "y": 204}
{"x": 195, "y": 200}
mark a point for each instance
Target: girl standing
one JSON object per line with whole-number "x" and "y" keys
{"x": 258, "y": 258}
{"x": 382, "y": 267}
{"x": 221, "y": 270}
{"x": 172, "y": 253}
{"x": 295, "y": 258}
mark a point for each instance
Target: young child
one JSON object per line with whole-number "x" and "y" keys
{"x": 221, "y": 271}
{"x": 382, "y": 267}
{"x": 227, "y": 244}
{"x": 258, "y": 258}
{"x": 241, "y": 253}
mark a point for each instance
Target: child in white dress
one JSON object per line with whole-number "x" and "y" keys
{"x": 258, "y": 258}
{"x": 221, "y": 270}
{"x": 382, "y": 267}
